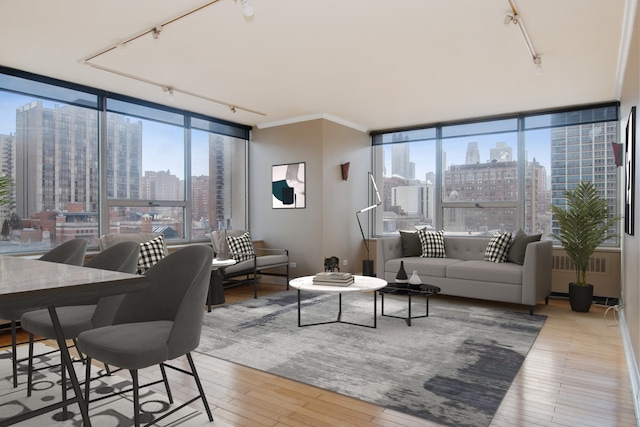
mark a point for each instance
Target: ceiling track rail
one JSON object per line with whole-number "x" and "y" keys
{"x": 155, "y": 31}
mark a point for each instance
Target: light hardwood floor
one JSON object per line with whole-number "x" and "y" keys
{"x": 574, "y": 375}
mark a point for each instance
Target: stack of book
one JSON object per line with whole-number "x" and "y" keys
{"x": 333, "y": 279}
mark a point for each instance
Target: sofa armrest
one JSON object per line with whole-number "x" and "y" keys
{"x": 536, "y": 272}
{"x": 387, "y": 248}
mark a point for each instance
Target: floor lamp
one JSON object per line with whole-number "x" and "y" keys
{"x": 367, "y": 264}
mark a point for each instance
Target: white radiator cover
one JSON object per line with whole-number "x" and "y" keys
{"x": 603, "y": 272}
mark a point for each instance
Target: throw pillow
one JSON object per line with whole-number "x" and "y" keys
{"x": 432, "y": 244}
{"x": 519, "y": 246}
{"x": 150, "y": 253}
{"x": 498, "y": 247}
{"x": 410, "y": 244}
{"x": 241, "y": 247}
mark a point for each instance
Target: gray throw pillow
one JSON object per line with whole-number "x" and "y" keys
{"x": 410, "y": 244}
{"x": 519, "y": 246}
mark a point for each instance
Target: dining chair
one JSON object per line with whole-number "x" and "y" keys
{"x": 70, "y": 252}
{"x": 156, "y": 325}
{"x": 75, "y": 319}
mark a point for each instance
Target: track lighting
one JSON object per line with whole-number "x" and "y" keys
{"x": 169, "y": 91}
{"x": 156, "y": 32}
{"x": 516, "y": 19}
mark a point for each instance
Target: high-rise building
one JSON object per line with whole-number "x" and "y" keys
{"x": 160, "y": 185}
{"x": 56, "y": 158}
{"x": 583, "y": 153}
{"x": 501, "y": 153}
{"x": 7, "y": 168}
{"x": 400, "y": 160}
{"x": 473, "y": 154}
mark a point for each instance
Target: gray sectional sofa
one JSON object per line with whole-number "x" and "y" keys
{"x": 464, "y": 272}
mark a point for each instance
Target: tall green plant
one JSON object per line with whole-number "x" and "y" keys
{"x": 584, "y": 223}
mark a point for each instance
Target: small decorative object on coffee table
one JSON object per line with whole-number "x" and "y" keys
{"x": 401, "y": 277}
{"x": 409, "y": 291}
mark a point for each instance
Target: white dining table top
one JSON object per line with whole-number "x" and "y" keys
{"x": 26, "y": 283}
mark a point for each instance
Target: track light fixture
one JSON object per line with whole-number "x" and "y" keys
{"x": 156, "y": 32}
{"x": 169, "y": 91}
{"x": 247, "y": 9}
{"x": 516, "y": 18}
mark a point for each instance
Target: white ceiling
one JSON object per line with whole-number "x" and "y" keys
{"x": 371, "y": 64}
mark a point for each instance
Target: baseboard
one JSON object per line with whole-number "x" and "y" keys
{"x": 634, "y": 374}
{"x": 272, "y": 280}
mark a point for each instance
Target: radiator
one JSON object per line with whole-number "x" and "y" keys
{"x": 603, "y": 272}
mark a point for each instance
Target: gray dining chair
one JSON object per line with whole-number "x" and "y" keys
{"x": 156, "y": 325}
{"x": 70, "y": 252}
{"x": 75, "y": 319}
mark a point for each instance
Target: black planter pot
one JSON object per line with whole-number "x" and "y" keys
{"x": 580, "y": 297}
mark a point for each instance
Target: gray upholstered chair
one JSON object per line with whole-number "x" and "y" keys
{"x": 70, "y": 252}
{"x": 78, "y": 318}
{"x": 251, "y": 263}
{"x": 156, "y": 325}
{"x": 108, "y": 240}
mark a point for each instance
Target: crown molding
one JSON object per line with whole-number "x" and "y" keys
{"x": 309, "y": 117}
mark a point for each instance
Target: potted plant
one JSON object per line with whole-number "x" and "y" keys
{"x": 584, "y": 224}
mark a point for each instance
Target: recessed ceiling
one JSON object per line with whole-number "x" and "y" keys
{"x": 371, "y": 64}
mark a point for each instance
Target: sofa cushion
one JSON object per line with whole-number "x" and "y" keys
{"x": 484, "y": 271}
{"x": 241, "y": 247}
{"x": 411, "y": 245}
{"x": 498, "y": 247}
{"x": 432, "y": 244}
{"x": 519, "y": 246}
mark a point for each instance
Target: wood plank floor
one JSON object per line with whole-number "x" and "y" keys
{"x": 574, "y": 375}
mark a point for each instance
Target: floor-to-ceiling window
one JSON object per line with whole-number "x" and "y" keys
{"x": 478, "y": 177}
{"x": 82, "y": 163}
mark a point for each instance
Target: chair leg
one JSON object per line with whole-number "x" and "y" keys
{"x": 75, "y": 344}
{"x": 63, "y": 373}
{"x": 136, "y": 398}
{"x": 199, "y": 384}
{"x": 30, "y": 367}
{"x": 166, "y": 382}
{"x": 87, "y": 381}
{"x": 14, "y": 354}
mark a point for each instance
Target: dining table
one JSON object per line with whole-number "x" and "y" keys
{"x": 28, "y": 283}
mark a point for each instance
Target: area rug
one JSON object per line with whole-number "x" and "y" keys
{"x": 453, "y": 367}
{"x": 111, "y": 412}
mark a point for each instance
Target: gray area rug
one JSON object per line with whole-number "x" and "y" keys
{"x": 453, "y": 367}
{"x": 111, "y": 412}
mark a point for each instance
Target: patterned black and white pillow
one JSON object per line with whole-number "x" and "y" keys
{"x": 498, "y": 248}
{"x": 150, "y": 253}
{"x": 241, "y": 247}
{"x": 432, "y": 244}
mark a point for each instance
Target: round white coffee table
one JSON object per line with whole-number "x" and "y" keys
{"x": 360, "y": 284}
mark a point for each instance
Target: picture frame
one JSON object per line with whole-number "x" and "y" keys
{"x": 288, "y": 186}
{"x": 630, "y": 173}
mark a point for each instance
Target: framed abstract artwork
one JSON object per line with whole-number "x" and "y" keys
{"x": 630, "y": 173}
{"x": 288, "y": 186}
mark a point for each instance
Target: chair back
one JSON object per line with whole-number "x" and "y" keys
{"x": 219, "y": 241}
{"x": 71, "y": 252}
{"x": 178, "y": 292}
{"x": 108, "y": 240}
{"x": 121, "y": 257}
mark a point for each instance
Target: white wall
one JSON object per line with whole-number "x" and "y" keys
{"x": 327, "y": 226}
